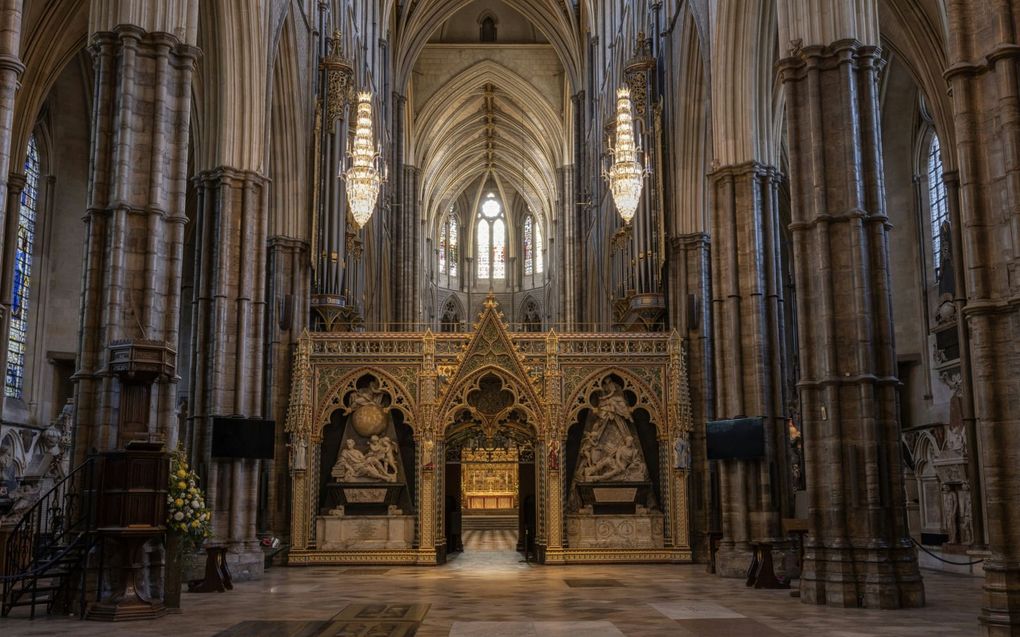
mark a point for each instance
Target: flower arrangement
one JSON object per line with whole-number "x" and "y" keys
{"x": 187, "y": 515}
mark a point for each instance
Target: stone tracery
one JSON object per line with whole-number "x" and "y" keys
{"x": 212, "y": 252}
{"x": 490, "y": 392}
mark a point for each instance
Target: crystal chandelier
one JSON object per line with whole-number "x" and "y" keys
{"x": 626, "y": 174}
{"x": 364, "y": 176}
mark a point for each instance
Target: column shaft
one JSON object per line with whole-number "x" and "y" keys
{"x": 984, "y": 67}
{"x": 229, "y": 344}
{"x": 858, "y": 551}
{"x": 135, "y": 219}
{"x": 749, "y": 354}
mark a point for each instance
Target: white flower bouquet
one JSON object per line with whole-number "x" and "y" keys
{"x": 187, "y": 515}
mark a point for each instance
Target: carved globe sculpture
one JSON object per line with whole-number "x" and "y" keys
{"x": 369, "y": 420}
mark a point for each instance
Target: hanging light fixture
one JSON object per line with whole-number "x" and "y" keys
{"x": 365, "y": 174}
{"x": 626, "y": 174}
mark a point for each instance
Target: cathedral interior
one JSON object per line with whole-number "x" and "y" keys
{"x": 396, "y": 317}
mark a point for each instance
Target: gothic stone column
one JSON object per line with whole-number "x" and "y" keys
{"x": 228, "y": 347}
{"x": 289, "y": 283}
{"x": 985, "y": 63}
{"x": 11, "y": 69}
{"x": 858, "y": 551}
{"x": 749, "y": 348}
{"x": 409, "y": 270}
{"x": 134, "y": 225}
{"x": 689, "y": 285}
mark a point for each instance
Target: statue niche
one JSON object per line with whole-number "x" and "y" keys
{"x": 369, "y": 419}
{"x": 609, "y": 450}
{"x": 612, "y": 501}
{"x": 367, "y": 483}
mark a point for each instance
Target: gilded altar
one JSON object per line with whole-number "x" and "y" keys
{"x": 487, "y": 483}
{"x": 493, "y": 382}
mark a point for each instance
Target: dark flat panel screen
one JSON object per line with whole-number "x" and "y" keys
{"x": 738, "y": 439}
{"x": 243, "y": 438}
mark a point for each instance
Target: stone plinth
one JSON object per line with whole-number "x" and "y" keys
{"x": 599, "y": 531}
{"x": 364, "y": 532}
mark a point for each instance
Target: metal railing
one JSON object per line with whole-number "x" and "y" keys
{"x": 465, "y": 327}
{"x": 51, "y": 541}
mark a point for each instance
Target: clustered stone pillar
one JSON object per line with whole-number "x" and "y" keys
{"x": 229, "y": 344}
{"x": 11, "y": 69}
{"x": 408, "y": 269}
{"x": 559, "y": 255}
{"x": 858, "y": 550}
{"x": 575, "y": 302}
{"x": 134, "y": 225}
{"x": 689, "y": 287}
{"x": 288, "y": 291}
{"x": 984, "y": 48}
{"x": 749, "y": 352}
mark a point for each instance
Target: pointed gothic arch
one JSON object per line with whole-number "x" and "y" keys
{"x": 419, "y": 20}
{"x": 646, "y": 398}
{"x": 488, "y": 25}
{"x": 333, "y": 398}
{"x": 530, "y": 314}
{"x": 449, "y": 137}
{"x": 490, "y": 351}
{"x": 452, "y": 317}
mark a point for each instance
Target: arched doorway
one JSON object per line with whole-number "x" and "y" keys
{"x": 489, "y": 487}
{"x": 510, "y": 398}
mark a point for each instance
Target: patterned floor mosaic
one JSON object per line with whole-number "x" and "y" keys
{"x": 495, "y": 594}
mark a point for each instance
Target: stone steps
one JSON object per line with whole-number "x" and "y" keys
{"x": 483, "y": 522}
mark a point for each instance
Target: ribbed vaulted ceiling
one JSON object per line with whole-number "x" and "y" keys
{"x": 555, "y": 19}
{"x": 488, "y": 120}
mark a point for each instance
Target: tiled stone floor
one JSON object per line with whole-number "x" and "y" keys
{"x": 495, "y": 594}
{"x": 490, "y": 540}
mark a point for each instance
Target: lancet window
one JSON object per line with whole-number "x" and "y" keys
{"x": 938, "y": 202}
{"x": 532, "y": 243}
{"x": 487, "y": 30}
{"x": 490, "y": 240}
{"x": 449, "y": 253}
{"x": 17, "y": 339}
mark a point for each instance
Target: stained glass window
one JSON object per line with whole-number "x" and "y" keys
{"x": 443, "y": 234}
{"x": 18, "y": 334}
{"x": 529, "y": 250}
{"x": 491, "y": 239}
{"x": 484, "y": 249}
{"x": 491, "y": 207}
{"x": 938, "y": 200}
{"x": 448, "y": 237}
{"x": 499, "y": 249}
{"x": 533, "y": 263}
{"x": 453, "y": 254}
{"x": 539, "y": 264}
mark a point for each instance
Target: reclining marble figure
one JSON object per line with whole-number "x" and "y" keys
{"x": 378, "y": 465}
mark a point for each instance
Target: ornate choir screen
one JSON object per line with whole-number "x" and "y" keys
{"x": 371, "y": 417}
